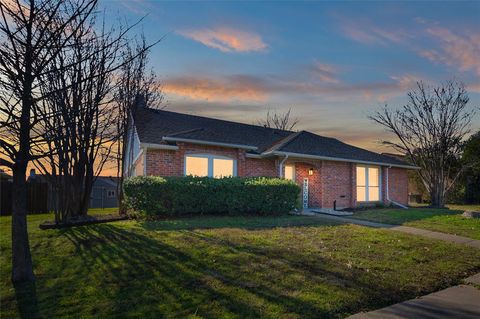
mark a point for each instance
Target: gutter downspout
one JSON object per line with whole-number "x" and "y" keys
{"x": 388, "y": 197}
{"x": 280, "y": 166}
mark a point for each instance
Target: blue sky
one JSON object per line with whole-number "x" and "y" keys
{"x": 332, "y": 63}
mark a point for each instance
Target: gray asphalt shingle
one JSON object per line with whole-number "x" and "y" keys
{"x": 153, "y": 125}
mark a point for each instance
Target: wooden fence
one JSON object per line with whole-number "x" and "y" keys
{"x": 37, "y": 198}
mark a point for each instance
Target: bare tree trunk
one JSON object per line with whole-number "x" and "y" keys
{"x": 435, "y": 198}
{"x": 22, "y": 269}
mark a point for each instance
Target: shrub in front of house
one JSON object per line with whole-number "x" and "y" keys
{"x": 174, "y": 196}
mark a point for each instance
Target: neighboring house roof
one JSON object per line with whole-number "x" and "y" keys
{"x": 165, "y": 127}
{"x": 100, "y": 180}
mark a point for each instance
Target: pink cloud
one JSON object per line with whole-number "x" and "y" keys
{"x": 366, "y": 32}
{"x": 226, "y": 39}
{"x": 462, "y": 51}
{"x": 325, "y": 72}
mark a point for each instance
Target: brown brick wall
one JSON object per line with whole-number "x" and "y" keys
{"x": 330, "y": 180}
{"x": 171, "y": 162}
{"x": 314, "y": 181}
{"x": 397, "y": 185}
{"x": 337, "y": 184}
{"x": 261, "y": 167}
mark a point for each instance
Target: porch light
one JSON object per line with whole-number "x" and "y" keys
{"x": 310, "y": 171}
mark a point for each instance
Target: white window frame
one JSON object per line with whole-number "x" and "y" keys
{"x": 367, "y": 184}
{"x": 294, "y": 173}
{"x": 210, "y": 158}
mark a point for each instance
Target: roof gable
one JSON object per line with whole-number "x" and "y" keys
{"x": 313, "y": 144}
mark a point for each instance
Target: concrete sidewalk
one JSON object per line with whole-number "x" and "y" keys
{"x": 462, "y": 301}
{"x": 409, "y": 230}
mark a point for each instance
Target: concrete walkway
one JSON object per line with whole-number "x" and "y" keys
{"x": 409, "y": 230}
{"x": 462, "y": 301}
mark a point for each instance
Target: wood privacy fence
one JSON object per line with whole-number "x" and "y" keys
{"x": 37, "y": 201}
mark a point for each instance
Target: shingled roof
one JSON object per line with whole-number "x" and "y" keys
{"x": 164, "y": 127}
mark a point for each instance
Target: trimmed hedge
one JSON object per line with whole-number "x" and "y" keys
{"x": 151, "y": 195}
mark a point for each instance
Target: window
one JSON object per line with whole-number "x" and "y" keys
{"x": 222, "y": 167}
{"x": 289, "y": 172}
{"x": 196, "y": 166}
{"x": 111, "y": 193}
{"x": 210, "y": 165}
{"x": 368, "y": 183}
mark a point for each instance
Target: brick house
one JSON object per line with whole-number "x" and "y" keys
{"x": 164, "y": 143}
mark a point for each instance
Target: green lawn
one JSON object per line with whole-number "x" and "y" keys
{"x": 235, "y": 267}
{"x": 443, "y": 220}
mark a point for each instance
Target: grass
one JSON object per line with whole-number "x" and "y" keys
{"x": 218, "y": 267}
{"x": 442, "y": 220}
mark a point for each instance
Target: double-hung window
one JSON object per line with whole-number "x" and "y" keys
{"x": 368, "y": 183}
{"x": 210, "y": 165}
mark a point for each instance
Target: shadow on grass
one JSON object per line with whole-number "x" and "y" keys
{"x": 26, "y": 296}
{"x": 188, "y": 272}
{"x": 182, "y": 280}
{"x": 241, "y": 222}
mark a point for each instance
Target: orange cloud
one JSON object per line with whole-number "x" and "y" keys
{"x": 233, "y": 88}
{"x": 474, "y": 87}
{"x": 226, "y": 39}
{"x": 461, "y": 51}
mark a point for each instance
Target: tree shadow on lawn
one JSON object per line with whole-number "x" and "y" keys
{"x": 26, "y": 296}
{"x": 131, "y": 273}
{"x": 402, "y": 216}
{"x": 242, "y": 222}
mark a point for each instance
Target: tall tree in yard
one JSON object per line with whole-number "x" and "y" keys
{"x": 81, "y": 133}
{"x": 135, "y": 87}
{"x": 430, "y": 130}
{"x": 27, "y": 29}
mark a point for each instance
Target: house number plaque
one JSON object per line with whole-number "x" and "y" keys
{"x": 305, "y": 193}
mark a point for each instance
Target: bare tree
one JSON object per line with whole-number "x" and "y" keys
{"x": 281, "y": 121}
{"x": 78, "y": 89}
{"x": 136, "y": 87}
{"x": 27, "y": 31}
{"x": 430, "y": 129}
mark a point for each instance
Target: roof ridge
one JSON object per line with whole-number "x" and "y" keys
{"x": 186, "y": 131}
{"x": 284, "y": 141}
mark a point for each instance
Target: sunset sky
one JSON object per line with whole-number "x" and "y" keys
{"x": 332, "y": 63}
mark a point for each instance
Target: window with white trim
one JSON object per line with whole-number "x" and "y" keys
{"x": 210, "y": 165}
{"x": 368, "y": 183}
{"x": 289, "y": 172}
